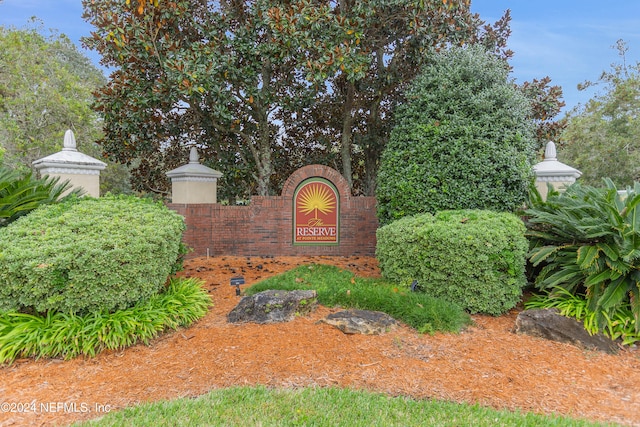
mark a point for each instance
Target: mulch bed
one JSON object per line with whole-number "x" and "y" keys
{"x": 486, "y": 364}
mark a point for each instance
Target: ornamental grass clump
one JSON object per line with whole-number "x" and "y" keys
{"x": 86, "y": 255}
{"x": 586, "y": 241}
{"x": 473, "y": 258}
{"x": 340, "y": 288}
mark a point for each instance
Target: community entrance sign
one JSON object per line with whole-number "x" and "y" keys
{"x": 316, "y": 213}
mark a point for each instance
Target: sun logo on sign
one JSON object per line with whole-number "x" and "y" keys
{"x": 316, "y": 198}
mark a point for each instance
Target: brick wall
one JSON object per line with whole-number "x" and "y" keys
{"x": 264, "y": 227}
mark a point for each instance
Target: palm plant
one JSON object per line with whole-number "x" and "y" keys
{"x": 587, "y": 240}
{"x": 20, "y": 194}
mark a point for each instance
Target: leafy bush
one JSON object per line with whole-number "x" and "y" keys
{"x": 20, "y": 194}
{"x": 88, "y": 255}
{"x": 473, "y": 258}
{"x": 463, "y": 140}
{"x": 69, "y": 335}
{"x": 341, "y": 288}
{"x": 587, "y": 241}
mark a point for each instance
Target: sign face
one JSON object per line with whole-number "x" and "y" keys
{"x": 316, "y": 213}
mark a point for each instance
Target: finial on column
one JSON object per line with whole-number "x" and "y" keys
{"x": 69, "y": 141}
{"x": 550, "y": 152}
{"x": 193, "y": 155}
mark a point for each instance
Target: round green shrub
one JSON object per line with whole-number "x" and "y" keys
{"x": 463, "y": 140}
{"x": 88, "y": 254}
{"x": 473, "y": 258}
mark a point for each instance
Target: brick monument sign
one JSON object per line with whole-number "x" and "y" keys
{"x": 314, "y": 215}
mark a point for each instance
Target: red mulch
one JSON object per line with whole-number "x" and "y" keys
{"x": 487, "y": 364}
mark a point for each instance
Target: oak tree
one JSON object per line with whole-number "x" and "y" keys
{"x": 46, "y": 88}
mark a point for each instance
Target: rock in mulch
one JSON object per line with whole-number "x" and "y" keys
{"x": 549, "y": 324}
{"x": 273, "y": 306}
{"x": 361, "y": 321}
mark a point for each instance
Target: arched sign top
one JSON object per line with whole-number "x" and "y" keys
{"x": 310, "y": 171}
{"x": 316, "y": 213}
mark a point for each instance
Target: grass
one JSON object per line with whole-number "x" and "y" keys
{"x": 69, "y": 335}
{"x": 260, "y": 406}
{"x": 341, "y": 288}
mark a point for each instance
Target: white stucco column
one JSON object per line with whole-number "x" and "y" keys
{"x": 194, "y": 183}
{"x": 551, "y": 171}
{"x": 80, "y": 170}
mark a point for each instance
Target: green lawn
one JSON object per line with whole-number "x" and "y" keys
{"x": 260, "y": 406}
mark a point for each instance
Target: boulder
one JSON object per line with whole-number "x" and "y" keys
{"x": 273, "y": 306}
{"x": 551, "y": 325}
{"x": 361, "y": 321}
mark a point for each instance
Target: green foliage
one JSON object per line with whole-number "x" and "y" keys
{"x": 587, "y": 239}
{"x": 247, "y": 75}
{"x": 620, "y": 325}
{"x": 602, "y": 138}
{"x": 463, "y": 140}
{"x": 46, "y": 87}
{"x": 319, "y": 407}
{"x": 58, "y": 334}
{"x": 21, "y": 193}
{"x": 88, "y": 254}
{"x": 473, "y": 258}
{"x": 337, "y": 287}
{"x": 351, "y": 120}
{"x": 228, "y": 68}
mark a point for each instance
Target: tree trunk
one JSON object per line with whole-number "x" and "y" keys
{"x": 375, "y": 143}
{"x": 345, "y": 145}
{"x": 262, "y": 152}
{"x": 371, "y": 164}
{"x": 260, "y": 108}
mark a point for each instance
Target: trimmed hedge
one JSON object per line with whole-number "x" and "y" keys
{"x": 463, "y": 140}
{"x": 473, "y": 258}
{"x": 88, "y": 255}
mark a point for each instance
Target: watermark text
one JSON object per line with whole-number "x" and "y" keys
{"x": 53, "y": 407}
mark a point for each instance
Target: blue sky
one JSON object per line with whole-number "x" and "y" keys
{"x": 568, "y": 40}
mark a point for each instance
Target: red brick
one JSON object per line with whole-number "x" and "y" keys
{"x": 264, "y": 227}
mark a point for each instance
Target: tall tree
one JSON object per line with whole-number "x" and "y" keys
{"x": 246, "y": 73}
{"x": 46, "y": 88}
{"x": 212, "y": 74}
{"x": 546, "y": 103}
{"x": 264, "y": 86}
{"x": 602, "y": 138}
{"x": 355, "y": 116}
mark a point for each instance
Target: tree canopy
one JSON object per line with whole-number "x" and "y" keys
{"x": 211, "y": 74}
{"x": 602, "y": 138}
{"x": 46, "y": 88}
{"x": 262, "y": 86}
